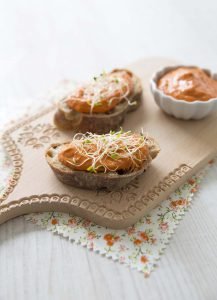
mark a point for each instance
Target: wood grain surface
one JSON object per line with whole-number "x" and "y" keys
{"x": 43, "y": 42}
{"x": 186, "y": 146}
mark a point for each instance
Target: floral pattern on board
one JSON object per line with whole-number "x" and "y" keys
{"x": 138, "y": 246}
{"x": 37, "y": 136}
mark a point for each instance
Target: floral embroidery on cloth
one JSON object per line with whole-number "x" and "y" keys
{"x": 138, "y": 246}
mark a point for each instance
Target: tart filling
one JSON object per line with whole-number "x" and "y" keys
{"x": 103, "y": 93}
{"x": 189, "y": 84}
{"x": 118, "y": 152}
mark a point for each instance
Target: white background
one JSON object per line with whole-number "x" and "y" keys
{"x": 45, "y": 41}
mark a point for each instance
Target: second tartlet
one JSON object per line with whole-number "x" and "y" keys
{"x": 102, "y": 104}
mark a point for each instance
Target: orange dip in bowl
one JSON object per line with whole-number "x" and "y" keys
{"x": 189, "y": 84}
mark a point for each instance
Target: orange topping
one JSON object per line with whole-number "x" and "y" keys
{"x": 188, "y": 84}
{"x": 111, "y": 152}
{"x": 103, "y": 94}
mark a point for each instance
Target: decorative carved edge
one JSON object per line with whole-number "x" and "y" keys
{"x": 17, "y": 162}
{"x": 96, "y": 209}
{"x": 101, "y": 211}
{"x": 14, "y": 152}
{"x": 55, "y": 198}
{"x": 162, "y": 186}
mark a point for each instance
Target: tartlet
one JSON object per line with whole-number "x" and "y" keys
{"x": 101, "y": 105}
{"x": 179, "y": 108}
{"x": 109, "y": 161}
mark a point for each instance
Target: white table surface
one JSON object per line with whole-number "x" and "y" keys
{"x": 43, "y": 42}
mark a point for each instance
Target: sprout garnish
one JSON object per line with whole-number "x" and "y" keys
{"x": 106, "y": 86}
{"x": 95, "y": 148}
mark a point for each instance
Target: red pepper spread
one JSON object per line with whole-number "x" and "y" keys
{"x": 189, "y": 84}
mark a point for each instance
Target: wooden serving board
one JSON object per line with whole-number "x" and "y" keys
{"x": 185, "y": 147}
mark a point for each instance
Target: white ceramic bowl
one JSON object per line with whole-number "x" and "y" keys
{"x": 181, "y": 109}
